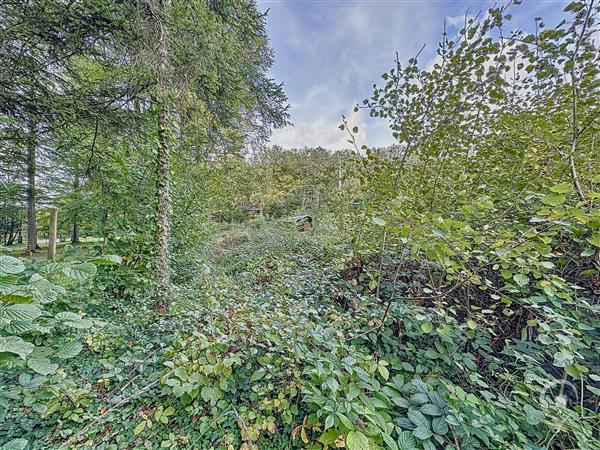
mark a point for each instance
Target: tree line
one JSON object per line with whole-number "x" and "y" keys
{"x": 100, "y": 94}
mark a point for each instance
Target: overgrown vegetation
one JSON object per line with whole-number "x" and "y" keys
{"x": 446, "y": 297}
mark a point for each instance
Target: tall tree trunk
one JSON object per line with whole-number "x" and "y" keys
{"x": 75, "y": 230}
{"x": 163, "y": 195}
{"x": 31, "y": 190}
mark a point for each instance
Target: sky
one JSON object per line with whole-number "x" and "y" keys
{"x": 329, "y": 53}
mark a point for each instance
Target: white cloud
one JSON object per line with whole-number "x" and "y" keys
{"x": 459, "y": 21}
{"x": 323, "y": 131}
{"x": 330, "y": 52}
{"x": 356, "y": 22}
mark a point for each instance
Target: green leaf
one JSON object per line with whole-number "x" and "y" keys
{"x": 428, "y": 445}
{"x": 332, "y": 384}
{"x": 10, "y": 265}
{"x": 588, "y": 252}
{"x": 43, "y": 366}
{"x": 68, "y": 350}
{"x": 20, "y": 311}
{"x": 19, "y": 327}
{"x": 418, "y": 418}
{"x": 383, "y": 371}
{"x": 562, "y": 188}
{"x": 15, "y": 298}
{"x": 16, "y": 345}
{"x": 406, "y": 441}
{"x": 80, "y": 272}
{"x": 259, "y": 374}
{"x": 329, "y": 436}
{"x": 80, "y": 324}
{"x": 209, "y": 394}
{"x": 16, "y": 444}
{"x": 521, "y": 280}
{"x": 140, "y": 427}
{"x": 389, "y": 441}
{"x": 430, "y": 409}
{"x": 67, "y": 315}
{"x": 471, "y": 324}
{"x": 595, "y": 240}
{"x": 575, "y": 370}
{"x": 427, "y": 327}
{"x": 345, "y": 420}
{"x": 107, "y": 260}
{"x": 533, "y": 416}
{"x": 329, "y": 422}
{"x": 554, "y": 199}
{"x": 562, "y": 359}
{"x": 439, "y": 425}
{"x": 422, "y": 433}
{"x": 400, "y": 401}
{"x": 357, "y": 441}
{"x": 593, "y": 390}
{"x": 8, "y": 281}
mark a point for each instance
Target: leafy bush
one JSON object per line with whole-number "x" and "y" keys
{"x": 41, "y": 325}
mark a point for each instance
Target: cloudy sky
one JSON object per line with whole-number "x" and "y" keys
{"x": 329, "y": 53}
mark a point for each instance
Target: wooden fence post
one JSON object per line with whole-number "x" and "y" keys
{"x": 52, "y": 233}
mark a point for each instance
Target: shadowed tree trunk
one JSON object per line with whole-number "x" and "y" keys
{"x": 75, "y": 230}
{"x": 75, "y": 233}
{"x": 31, "y": 190}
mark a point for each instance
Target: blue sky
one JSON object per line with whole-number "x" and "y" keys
{"x": 329, "y": 53}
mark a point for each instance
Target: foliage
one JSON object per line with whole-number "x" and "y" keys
{"x": 446, "y": 297}
{"x": 42, "y": 324}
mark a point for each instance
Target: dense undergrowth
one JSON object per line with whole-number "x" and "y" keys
{"x": 277, "y": 341}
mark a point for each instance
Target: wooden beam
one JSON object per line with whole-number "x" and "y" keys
{"x": 52, "y": 234}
